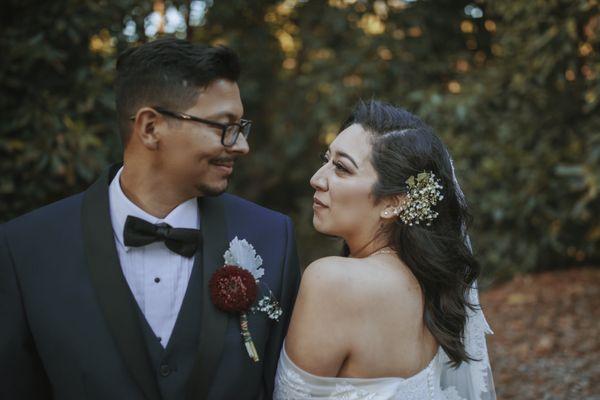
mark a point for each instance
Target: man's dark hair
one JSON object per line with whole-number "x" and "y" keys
{"x": 169, "y": 73}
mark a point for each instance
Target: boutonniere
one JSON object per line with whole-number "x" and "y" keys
{"x": 234, "y": 288}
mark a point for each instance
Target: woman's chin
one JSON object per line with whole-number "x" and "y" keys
{"x": 319, "y": 226}
{"x": 316, "y": 223}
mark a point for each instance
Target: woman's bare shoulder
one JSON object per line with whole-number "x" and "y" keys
{"x": 327, "y": 271}
{"x": 360, "y": 281}
{"x": 317, "y": 339}
{"x": 326, "y": 288}
{"x": 337, "y": 295}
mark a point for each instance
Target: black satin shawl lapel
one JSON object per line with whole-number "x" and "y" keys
{"x": 114, "y": 296}
{"x": 214, "y": 322}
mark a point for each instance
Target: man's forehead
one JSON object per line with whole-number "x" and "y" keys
{"x": 221, "y": 98}
{"x": 221, "y": 85}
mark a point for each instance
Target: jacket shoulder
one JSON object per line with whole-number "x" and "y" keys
{"x": 240, "y": 207}
{"x": 44, "y": 217}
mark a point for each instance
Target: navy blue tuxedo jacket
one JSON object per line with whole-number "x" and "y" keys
{"x": 71, "y": 329}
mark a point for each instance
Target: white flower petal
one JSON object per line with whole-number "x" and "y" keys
{"x": 242, "y": 254}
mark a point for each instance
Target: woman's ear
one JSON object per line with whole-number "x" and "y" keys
{"x": 393, "y": 206}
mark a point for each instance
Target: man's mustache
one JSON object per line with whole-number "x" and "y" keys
{"x": 223, "y": 160}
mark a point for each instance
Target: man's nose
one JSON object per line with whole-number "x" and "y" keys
{"x": 240, "y": 146}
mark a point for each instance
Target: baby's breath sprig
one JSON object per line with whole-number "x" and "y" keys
{"x": 270, "y": 306}
{"x": 424, "y": 192}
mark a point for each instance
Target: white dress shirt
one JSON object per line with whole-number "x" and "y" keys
{"x": 157, "y": 277}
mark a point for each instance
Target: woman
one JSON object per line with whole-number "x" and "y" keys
{"x": 396, "y": 317}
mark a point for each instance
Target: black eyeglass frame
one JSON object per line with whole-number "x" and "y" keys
{"x": 244, "y": 125}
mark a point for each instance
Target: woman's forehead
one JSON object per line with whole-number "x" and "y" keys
{"x": 354, "y": 141}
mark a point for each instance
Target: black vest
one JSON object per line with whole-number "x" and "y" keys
{"x": 172, "y": 365}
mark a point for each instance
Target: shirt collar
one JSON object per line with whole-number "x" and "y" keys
{"x": 185, "y": 215}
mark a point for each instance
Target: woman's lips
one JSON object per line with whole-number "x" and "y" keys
{"x": 318, "y": 204}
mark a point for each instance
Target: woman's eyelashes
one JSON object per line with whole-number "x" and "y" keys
{"x": 338, "y": 166}
{"x": 324, "y": 158}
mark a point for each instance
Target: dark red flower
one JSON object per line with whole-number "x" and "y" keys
{"x": 233, "y": 289}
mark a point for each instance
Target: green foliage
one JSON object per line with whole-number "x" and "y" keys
{"x": 513, "y": 92}
{"x": 57, "y": 105}
{"x": 524, "y": 133}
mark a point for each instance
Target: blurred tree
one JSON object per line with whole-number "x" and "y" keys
{"x": 511, "y": 87}
{"x": 524, "y": 129}
{"x": 57, "y": 127}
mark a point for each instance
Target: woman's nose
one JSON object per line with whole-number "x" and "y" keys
{"x": 318, "y": 180}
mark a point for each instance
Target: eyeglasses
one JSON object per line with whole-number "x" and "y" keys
{"x": 229, "y": 132}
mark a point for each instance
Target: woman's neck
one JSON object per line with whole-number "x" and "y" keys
{"x": 361, "y": 247}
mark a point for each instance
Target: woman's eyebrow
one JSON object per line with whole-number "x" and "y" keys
{"x": 345, "y": 155}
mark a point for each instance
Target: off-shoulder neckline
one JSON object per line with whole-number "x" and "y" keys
{"x": 424, "y": 371}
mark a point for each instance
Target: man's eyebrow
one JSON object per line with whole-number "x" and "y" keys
{"x": 228, "y": 115}
{"x": 345, "y": 155}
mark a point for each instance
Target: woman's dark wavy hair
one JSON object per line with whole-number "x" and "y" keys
{"x": 438, "y": 255}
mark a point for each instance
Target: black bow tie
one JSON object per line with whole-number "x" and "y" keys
{"x": 183, "y": 241}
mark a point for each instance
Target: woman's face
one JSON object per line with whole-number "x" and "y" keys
{"x": 343, "y": 205}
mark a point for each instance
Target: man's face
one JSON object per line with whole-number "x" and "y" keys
{"x": 191, "y": 154}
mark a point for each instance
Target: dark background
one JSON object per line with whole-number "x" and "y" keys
{"x": 512, "y": 87}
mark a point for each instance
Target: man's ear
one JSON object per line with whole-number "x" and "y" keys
{"x": 392, "y": 207}
{"x": 144, "y": 127}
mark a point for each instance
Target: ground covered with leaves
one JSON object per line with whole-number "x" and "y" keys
{"x": 547, "y": 335}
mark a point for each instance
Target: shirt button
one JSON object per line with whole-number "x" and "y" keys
{"x": 157, "y": 279}
{"x": 164, "y": 370}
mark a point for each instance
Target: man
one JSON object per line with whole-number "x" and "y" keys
{"x": 104, "y": 295}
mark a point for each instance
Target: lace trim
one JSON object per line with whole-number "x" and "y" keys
{"x": 471, "y": 380}
{"x": 451, "y": 394}
{"x": 346, "y": 391}
{"x": 475, "y": 344}
{"x": 290, "y": 385}
{"x": 293, "y": 383}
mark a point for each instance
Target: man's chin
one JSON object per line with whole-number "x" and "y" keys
{"x": 212, "y": 190}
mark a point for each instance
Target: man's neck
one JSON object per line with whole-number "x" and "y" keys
{"x": 148, "y": 192}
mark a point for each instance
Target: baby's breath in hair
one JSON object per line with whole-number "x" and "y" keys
{"x": 424, "y": 192}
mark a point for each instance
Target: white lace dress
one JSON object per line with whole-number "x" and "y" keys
{"x": 291, "y": 382}
{"x": 472, "y": 380}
